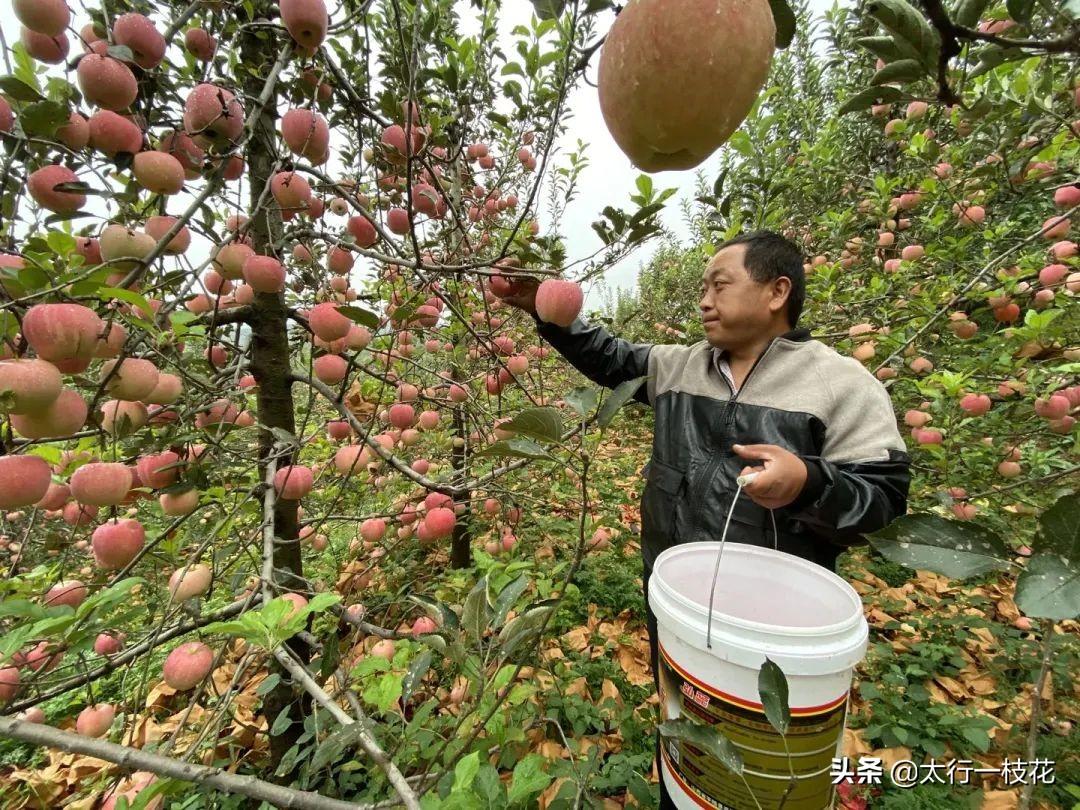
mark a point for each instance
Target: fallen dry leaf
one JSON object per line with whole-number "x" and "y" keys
{"x": 854, "y": 745}
{"x": 1000, "y": 800}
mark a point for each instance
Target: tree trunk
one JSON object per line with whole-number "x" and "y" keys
{"x": 460, "y": 545}
{"x": 269, "y": 352}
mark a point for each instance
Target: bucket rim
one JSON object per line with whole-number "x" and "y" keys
{"x": 832, "y": 577}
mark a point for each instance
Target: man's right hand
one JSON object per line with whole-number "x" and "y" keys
{"x": 522, "y": 294}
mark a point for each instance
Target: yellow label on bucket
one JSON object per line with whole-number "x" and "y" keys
{"x": 812, "y": 738}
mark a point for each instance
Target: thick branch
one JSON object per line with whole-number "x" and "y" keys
{"x": 133, "y": 758}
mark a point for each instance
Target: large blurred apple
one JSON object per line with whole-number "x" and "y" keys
{"x": 677, "y": 77}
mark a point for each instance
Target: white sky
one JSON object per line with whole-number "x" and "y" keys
{"x": 608, "y": 178}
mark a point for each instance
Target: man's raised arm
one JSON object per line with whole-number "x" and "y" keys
{"x": 591, "y": 349}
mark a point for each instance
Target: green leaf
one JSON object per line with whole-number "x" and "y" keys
{"x": 993, "y": 56}
{"x": 342, "y": 738}
{"x": 122, "y": 52}
{"x": 507, "y": 597}
{"x": 516, "y": 447}
{"x": 582, "y": 399}
{"x": 385, "y": 692}
{"x": 1020, "y": 10}
{"x": 718, "y": 184}
{"x": 43, "y": 118}
{"x": 522, "y": 627}
{"x": 884, "y": 48}
{"x": 361, "y": 316}
{"x": 23, "y": 608}
{"x": 475, "y": 614}
{"x": 904, "y": 70}
{"x": 645, "y": 212}
{"x": 417, "y": 670}
{"x": 61, "y": 243}
{"x": 465, "y": 772}
{"x": 968, "y": 12}
{"x": 267, "y": 686}
{"x": 1049, "y": 587}
{"x": 281, "y": 723}
{"x": 544, "y": 424}
{"x": 644, "y": 184}
{"x": 773, "y": 689}
{"x": 18, "y": 89}
{"x": 488, "y": 787}
{"x": 622, "y": 394}
{"x": 977, "y": 737}
{"x": 910, "y": 28}
{"x": 865, "y": 99}
{"x": 707, "y": 738}
{"x": 548, "y": 9}
{"x": 1059, "y": 528}
{"x": 283, "y": 437}
{"x": 13, "y": 640}
{"x": 127, "y": 296}
{"x": 784, "y": 18}
{"x": 529, "y": 779}
{"x": 951, "y": 548}
{"x": 108, "y": 598}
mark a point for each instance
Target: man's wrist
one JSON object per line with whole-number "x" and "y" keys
{"x": 812, "y": 487}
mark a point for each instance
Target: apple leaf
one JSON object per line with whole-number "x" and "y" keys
{"x": 43, "y": 118}
{"x": 360, "y": 315}
{"x": 1049, "y": 587}
{"x": 582, "y": 399}
{"x": 417, "y": 670}
{"x": 784, "y": 18}
{"x": 548, "y": 9}
{"x": 707, "y": 738}
{"x": 622, "y": 394}
{"x": 476, "y": 614}
{"x": 773, "y": 689}
{"x": 18, "y": 89}
{"x": 865, "y": 99}
{"x": 522, "y": 627}
{"x": 948, "y": 547}
{"x": 903, "y": 70}
{"x": 516, "y": 447}
{"x": 506, "y": 598}
{"x": 544, "y": 424}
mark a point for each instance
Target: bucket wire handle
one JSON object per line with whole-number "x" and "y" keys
{"x": 742, "y": 481}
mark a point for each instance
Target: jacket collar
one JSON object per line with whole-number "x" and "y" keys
{"x": 797, "y": 335}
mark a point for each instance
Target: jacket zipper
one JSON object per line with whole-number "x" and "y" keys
{"x": 729, "y": 416}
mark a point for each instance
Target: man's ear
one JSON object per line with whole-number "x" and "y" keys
{"x": 781, "y": 289}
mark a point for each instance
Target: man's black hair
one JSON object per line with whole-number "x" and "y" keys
{"x": 769, "y": 256}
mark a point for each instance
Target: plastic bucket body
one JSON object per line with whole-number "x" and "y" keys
{"x": 767, "y": 603}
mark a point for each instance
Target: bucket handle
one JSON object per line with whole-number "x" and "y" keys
{"x": 741, "y": 481}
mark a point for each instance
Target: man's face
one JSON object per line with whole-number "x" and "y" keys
{"x": 734, "y": 307}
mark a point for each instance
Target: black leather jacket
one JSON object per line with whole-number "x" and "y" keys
{"x": 800, "y": 394}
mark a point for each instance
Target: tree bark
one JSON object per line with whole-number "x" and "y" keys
{"x": 460, "y": 547}
{"x": 269, "y": 352}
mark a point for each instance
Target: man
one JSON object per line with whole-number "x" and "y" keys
{"x": 757, "y": 395}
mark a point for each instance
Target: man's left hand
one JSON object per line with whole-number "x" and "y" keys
{"x": 779, "y": 480}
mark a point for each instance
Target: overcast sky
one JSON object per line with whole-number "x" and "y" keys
{"x": 607, "y": 180}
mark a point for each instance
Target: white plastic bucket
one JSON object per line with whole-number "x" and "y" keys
{"x": 806, "y": 619}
